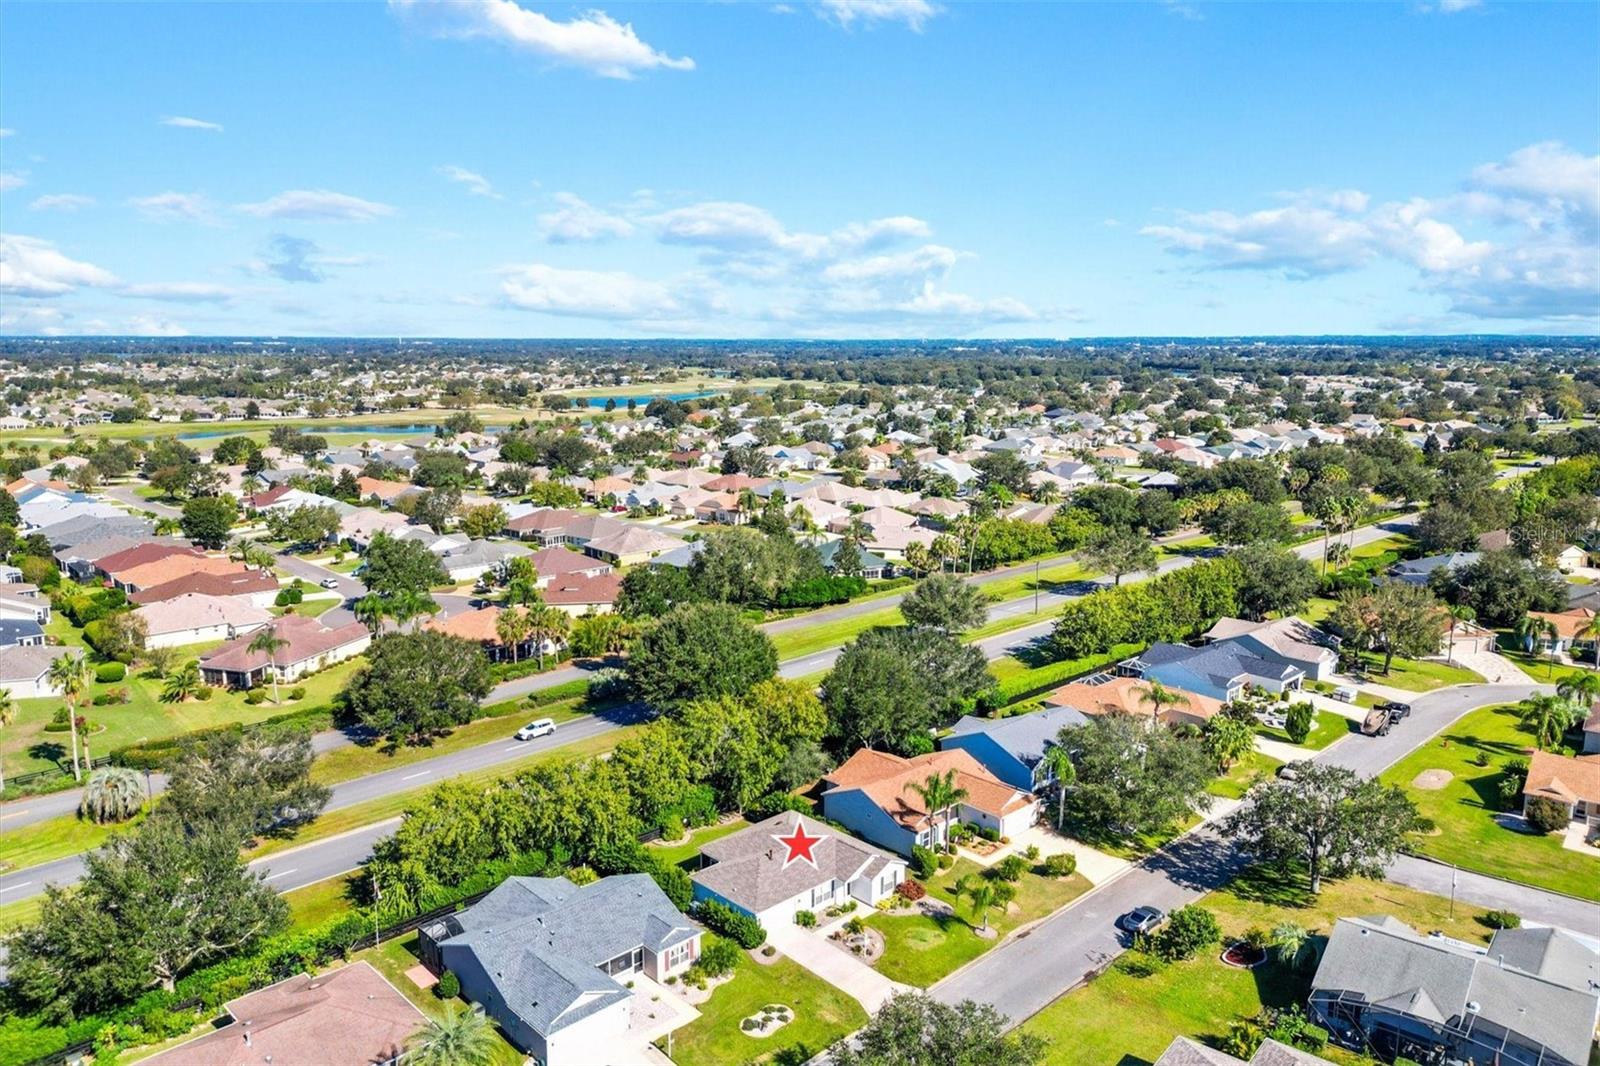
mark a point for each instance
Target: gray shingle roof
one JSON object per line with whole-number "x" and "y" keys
{"x": 1221, "y": 661}
{"x": 749, "y": 865}
{"x": 1024, "y": 736}
{"x": 542, "y": 939}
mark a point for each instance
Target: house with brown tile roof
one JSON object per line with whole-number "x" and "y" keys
{"x": 350, "y": 1015}
{"x": 311, "y": 646}
{"x": 871, "y": 794}
{"x": 386, "y": 491}
{"x": 1572, "y": 781}
{"x": 1126, "y": 695}
{"x": 259, "y": 586}
{"x": 552, "y": 563}
{"x": 579, "y": 594}
{"x": 148, "y": 552}
{"x": 482, "y": 626}
{"x": 160, "y": 571}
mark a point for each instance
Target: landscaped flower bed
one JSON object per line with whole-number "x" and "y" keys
{"x": 767, "y": 1020}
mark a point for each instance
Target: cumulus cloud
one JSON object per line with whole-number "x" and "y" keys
{"x": 592, "y": 41}
{"x": 475, "y": 183}
{"x": 184, "y": 122}
{"x": 33, "y": 319}
{"x": 154, "y": 326}
{"x": 577, "y": 221}
{"x": 848, "y": 13}
{"x": 6, "y": 131}
{"x": 318, "y": 205}
{"x": 61, "y": 201}
{"x": 607, "y": 295}
{"x": 30, "y": 266}
{"x": 174, "y": 207}
{"x": 914, "y": 263}
{"x": 1520, "y": 240}
{"x": 185, "y": 292}
{"x": 10, "y": 179}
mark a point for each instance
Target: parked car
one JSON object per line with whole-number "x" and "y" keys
{"x": 329, "y": 582}
{"x": 1142, "y": 919}
{"x": 1395, "y": 709}
{"x": 542, "y": 727}
{"x": 1287, "y": 772}
{"x": 1345, "y": 694}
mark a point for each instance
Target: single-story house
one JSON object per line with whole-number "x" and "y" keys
{"x": 160, "y": 571}
{"x": 25, "y": 670}
{"x": 551, "y": 962}
{"x": 1184, "y": 1051}
{"x": 1569, "y": 626}
{"x": 347, "y": 1015}
{"x": 1221, "y": 670}
{"x": 552, "y": 563}
{"x": 480, "y": 557}
{"x": 631, "y": 546}
{"x": 1591, "y": 731}
{"x": 311, "y": 646}
{"x": 580, "y": 595}
{"x": 260, "y": 587}
{"x": 871, "y": 794}
{"x": 1571, "y": 558}
{"x": 748, "y": 871}
{"x": 1418, "y": 571}
{"x": 1012, "y": 749}
{"x": 19, "y": 600}
{"x": 385, "y": 492}
{"x": 1289, "y": 640}
{"x": 21, "y": 633}
{"x": 10, "y": 575}
{"x": 1531, "y": 998}
{"x": 1130, "y": 695}
{"x": 1572, "y": 781}
{"x": 196, "y": 618}
{"x": 483, "y": 626}
{"x": 872, "y": 567}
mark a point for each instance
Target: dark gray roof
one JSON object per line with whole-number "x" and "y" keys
{"x": 16, "y": 630}
{"x": 749, "y": 865}
{"x": 1447, "y": 981}
{"x": 542, "y": 939}
{"x": 1024, "y": 736}
{"x": 1222, "y": 661}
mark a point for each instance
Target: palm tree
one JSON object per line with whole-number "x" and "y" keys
{"x": 1548, "y": 718}
{"x": 939, "y": 794}
{"x": 113, "y": 794}
{"x": 370, "y": 610}
{"x": 463, "y": 1039}
{"x": 1591, "y": 632}
{"x": 182, "y": 683}
{"x": 547, "y": 625}
{"x": 1581, "y": 690}
{"x": 8, "y": 714}
{"x": 1336, "y": 555}
{"x": 1059, "y": 762}
{"x": 512, "y": 628}
{"x": 1158, "y": 697}
{"x": 1527, "y": 631}
{"x": 980, "y": 893}
{"x": 1459, "y": 612}
{"x": 267, "y": 640}
{"x": 1294, "y": 945}
{"x": 70, "y": 674}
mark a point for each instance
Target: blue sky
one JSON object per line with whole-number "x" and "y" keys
{"x": 815, "y": 168}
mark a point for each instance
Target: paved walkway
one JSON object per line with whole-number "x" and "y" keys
{"x": 811, "y": 950}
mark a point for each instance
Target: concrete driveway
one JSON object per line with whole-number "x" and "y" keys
{"x": 811, "y": 949}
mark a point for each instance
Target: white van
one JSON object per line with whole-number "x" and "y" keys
{"x": 541, "y": 728}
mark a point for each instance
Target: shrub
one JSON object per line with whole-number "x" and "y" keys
{"x": 718, "y": 958}
{"x": 856, "y": 926}
{"x": 990, "y": 834}
{"x": 1010, "y": 868}
{"x": 1546, "y": 815}
{"x": 449, "y": 986}
{"x": 608, "y": 684}
{"x": 1297, "y": 722}
{"x": 946, "y": 860}
{"x": 255, "y": 696}
{"x": 1188, "y": 932}
{"x": 740, "y": 928}
{"x": 910, "y": 891}
{"x": 281, "y": 599}
{"x": 107, "y": 672}
{"x": 204, "y": 692}
{"x": 298, "y": 692}
{"x": 1031, "y": 853}
{"x": 1256, "y": 937}
{"x": 58, "y": 721}
{"x": 1062, "y": 865}
{"x": 776, "y": 803}
{"x": 698, "y": 806}
{"x": 924, "y": 863}
{"x": 1502, "y": 920}
{"x": 671, "y": 826}
{"x": 805, "y": 919}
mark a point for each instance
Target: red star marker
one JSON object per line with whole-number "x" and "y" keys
{"x": 799, "y": 844}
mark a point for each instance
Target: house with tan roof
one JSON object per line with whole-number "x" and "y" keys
{"x": 871, "y": 794}
{"x": 196, "y": 618}
{"x": 1572, "y": 781}
{"x": 579, "y": 594}
{"x": 260, "y": 587}
{"x": 311, "y": 646}
{"x": 749, "y": 871}
{"x": 1129, "y": 695}
{"x": 552, "y": 563}
{"x": 631, "y": 545}
{"x": 482, "y": 626}
{"x": 1568, "y": 630}
{"x": 385, "y": 492}
{"x": 348, "y": 1015}
{"x": 160, "y": 571}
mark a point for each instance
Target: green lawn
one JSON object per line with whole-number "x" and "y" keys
{"x": 681, "y": 851}
{"x": 1326, "y": 727}
{"x": 49, "y": 840}
{"x": 394, "y": 958}
{"x": 1541, "y": 669}
{"x": 314, "y": 904}
{"x": 1464, "y": 809}
{"x": 822, "y": 1014}
{"x": 919, "y": 950}
{"x": 1200, "y": 997}
{"x": 1419, "y": 675}
{"x": 1244, "y": 773}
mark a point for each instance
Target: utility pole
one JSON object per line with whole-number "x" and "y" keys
{"x": 377, "y": 896}
{"x": 1036, "y": 586}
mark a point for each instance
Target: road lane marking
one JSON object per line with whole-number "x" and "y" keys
{"x": 13, "y": 888}
{"x": 420, "y": 773}
{"x": 15, "y": 814}
{"x": 280, "y": 873}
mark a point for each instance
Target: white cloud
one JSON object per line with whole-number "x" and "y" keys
{"x": 10, "y": 179}
{"x": 609, "y": 295}
{"x": 916, "y": 263}
{"x": 318, "y": 205}
{"x": 61, "y": 201}
{"x": 476, "y": 183}
{"x": 593, "y": 41}
{"x": 914, "y": 13}
{"x": 184, "y": 122}
{"x": 1183, "y": 10}
{"x": 1451, "y": 7}
{"x": 6, "y": 131}
{"x": 174, "y": 207}
{"x": 152, "y": 326}
{"x": 1522, "y": 242}
{"x": 189, "y": 292}
{"x": 34, "y": 319}
{"x": 30, "y": 266}
{"x": 863, "y": 236}
{"x": 576, "y": 221}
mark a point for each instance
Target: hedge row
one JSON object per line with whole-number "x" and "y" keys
{"x": 157, "y": 754}
{"x": 1172, "y": 607}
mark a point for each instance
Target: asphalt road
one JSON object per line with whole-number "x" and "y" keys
{"x": 1025, "y": 974}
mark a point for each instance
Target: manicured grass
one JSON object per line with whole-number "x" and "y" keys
{"x": 314, "y": 904}
{"x": 394, "y": 958}
{"x": 1541, "y": 669}
{"x": 1465, "y": 809}
{"x": 1419, "y": 675}
{"x": 1018, "y": 680}
{"x": 15, "y": 915}
{"x": 682, "y": 851}
{"x": 794, "y": 643}
{"x": 1128, "y": 1020}
{"x": 919, "y": 950}
{"x": 1317, "y": 608}
{"x": 822, "y": 1014}
{"x": 46, "y": 841}
{"x": 1241, "y": 775}
{"x": 1326, "y": 727}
